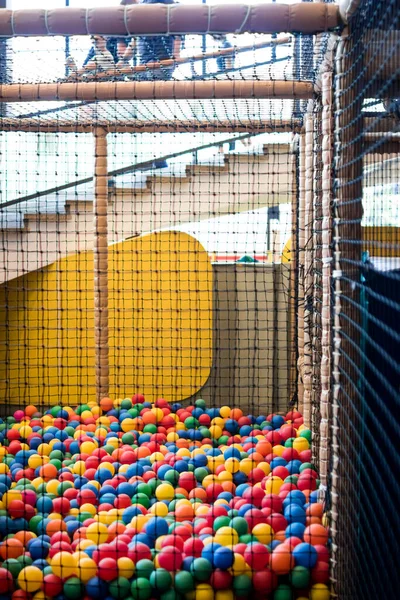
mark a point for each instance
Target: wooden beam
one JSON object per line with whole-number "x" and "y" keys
{"x": 152, "y": 90}
{"x": 308, "y": 18}
{"x": 134, "y": 126}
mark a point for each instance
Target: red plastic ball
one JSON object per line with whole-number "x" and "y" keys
{"x": 108, "y": 569}
{"x": 170, "y": 558}
{"x": 257, "y": 556}
{"x": 265, "y": 581}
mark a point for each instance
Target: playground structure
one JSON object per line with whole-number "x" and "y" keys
{"x": 297, "y": 329}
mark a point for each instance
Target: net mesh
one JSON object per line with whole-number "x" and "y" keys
{"x": 183, "y": 269}
{"x": 365, "y": 308}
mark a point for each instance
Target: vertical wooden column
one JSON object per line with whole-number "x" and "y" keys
{"x": 300, "y": 266}
{"x": 293, "y": 273}
{"x": 100, "y": 252}
{"x": 315, "y": 295}
{"x": 348, "y": 210}
{"x": 327, "y": 258}
{"x": 308, "y": 266}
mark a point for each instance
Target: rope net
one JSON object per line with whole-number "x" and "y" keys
{"x": 147, "y": 300}
{"x": 365, "y": 304}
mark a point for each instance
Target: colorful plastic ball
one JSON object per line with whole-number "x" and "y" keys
{"x": 96, "y": 588}
{"x": 316, "y": 534}
{"x": 201, "y": 569}
{"x": 184, "y": 582}
{"x": 282, "y": 560}
{"x": 141, "y": 589}
{"x": 283, "y": 592}
{"x": 52, "y": 585}
{"x": 73, "y": 588}
{"x": 64, "y": 565}
{"x": 305, "y": 555}
{"x": 6, "y": 581}
{"x": 257, "y": 556}
{"x": 160, "y": 580}
{"x": 299, "y": 577}
{"x": 263, "y": 532}
{"x": 264, "y": 581}
{"x": 320, "y": 572}
{"x": 170, "y": 558}
{"x": 97, "y": 533}
{"x": 120, "y": 588}
{"x": 319, "y": 591}
{"x": 30, "y": 579}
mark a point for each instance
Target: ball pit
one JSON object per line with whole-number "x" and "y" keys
{"x": 133, "y": 500}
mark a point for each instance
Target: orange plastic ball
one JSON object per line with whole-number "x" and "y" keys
{"x": 282, "y": 560}
{"x": 316, "y": 534}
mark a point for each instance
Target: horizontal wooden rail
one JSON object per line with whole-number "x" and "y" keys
{"x": 136, "y": 126}
{"x": 151, "y": 90}
{"x": 145, "y": 19}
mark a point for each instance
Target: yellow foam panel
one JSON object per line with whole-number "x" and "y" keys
{"x": 160, "y": 324}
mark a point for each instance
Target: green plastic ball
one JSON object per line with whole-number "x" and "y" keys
{"x": 73, "y": 588}
{"x": 300, "y": 577}
{"x": 184, "y": 582}
{"x": 141, "y": 589}
{"x": 201, "y": 569}
{"x": 144, "y": 568}
{"x": 120, "y": 588}
{"x": 160, "y": 580}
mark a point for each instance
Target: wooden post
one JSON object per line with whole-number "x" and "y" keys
{"x": 300, "y": 263}
{"x": 308, "y": 266}
{"x": 100, "y": 252}
{"x": 326, "y": 227}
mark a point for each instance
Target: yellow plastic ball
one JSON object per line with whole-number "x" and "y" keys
{"x": 246, "y": 465}
{"x": 204, "y": 591}
{"x": 83, "y": 544}
{"x": 273, "y": 485}
{"x": 87, "y": 569}
{"x": 158, "y": 413}
{"x": 97, "y": 533}
{"x": 301, "y": 444}
{"x": 64, "y": 565}
{"x": 52, "y": 486}
{"x": 215, "y": 432}
{"x": 4, "y": 468}
{"x": 232, "y": 465}
{"x": 225, "y": 412}
{"x": 156, "y": 456}
{"x": 79, "y": 467}
{"x": 320, "y": 591}
{"x": 224, "y": 595}
{"x": 278, "y": 450}
{"x": 225, "y": 476}
{"x": 30, "y": 579}
{"x": 128, "y": 425}
{"x": 172, "y": 436}
{"x": 109, "y": 466}
{"x": 264, "y": 533}
{"x": 44, "y": 449}
{"x": 226, "y": 536}
{"x": 88, "y": 508}
{"x": 88, "y": 447}
{"x": 165, "y": 491}
{"x": 25, "y": 431}
{"x": 219, "y": 422}
{"x": 239, "y": 565}
{"x": 39, "y": 596}
{"x": 264, "y": 466}
{"x": 11, "y": 495}
{"x": 126, "y": 567}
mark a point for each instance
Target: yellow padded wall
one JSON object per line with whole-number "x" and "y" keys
{"x": 160, "y": 324}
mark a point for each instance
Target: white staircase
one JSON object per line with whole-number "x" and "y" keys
{"x": 38, "y": 232}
